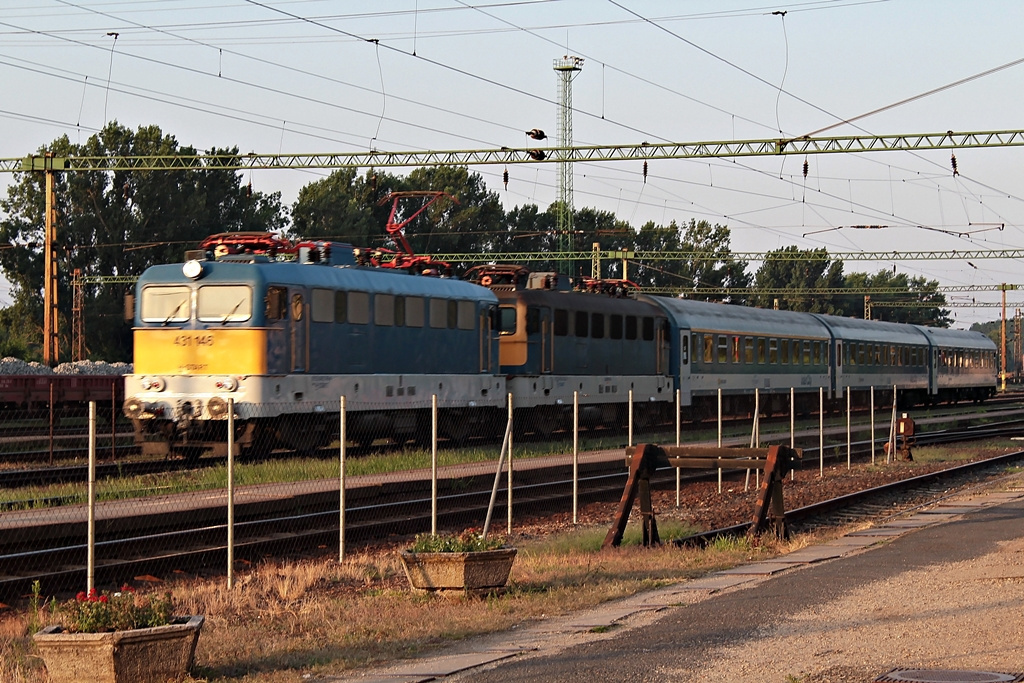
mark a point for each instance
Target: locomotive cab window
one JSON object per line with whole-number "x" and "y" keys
{"x": 166, "y": 304}
{"x": 224, "y": 303}
{"x": 277, "y": 298}
{"x": 532, "y": 320}
{"x": 507, "y": 317}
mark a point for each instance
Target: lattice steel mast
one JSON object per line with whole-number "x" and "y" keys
{"x": 567, "y": 68}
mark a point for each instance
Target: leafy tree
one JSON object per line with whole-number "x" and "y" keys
{"x": 344, "y": 207}
{"x": 716, "y": 266}
{"x": 908, "y": 289}
{"x": 117, "y": 223}
{"x": 804, "y": 271}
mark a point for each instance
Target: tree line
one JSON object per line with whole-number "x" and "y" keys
{"x": 118, "y": 223}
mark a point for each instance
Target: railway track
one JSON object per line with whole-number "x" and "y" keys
{"x": 172, "y": 533}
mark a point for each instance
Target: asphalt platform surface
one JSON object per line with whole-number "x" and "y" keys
{"x": 957, "y": 566}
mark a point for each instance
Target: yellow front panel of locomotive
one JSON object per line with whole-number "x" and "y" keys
{"x": 200, "y": 352}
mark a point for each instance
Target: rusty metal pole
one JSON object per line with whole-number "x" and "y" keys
{"x": 113, "y": 419}
{"x": 343, "y": 436}
{"x": 1002, "y": 334}
{"x": 231, "y": 493}
{"x": 90, "y": 570}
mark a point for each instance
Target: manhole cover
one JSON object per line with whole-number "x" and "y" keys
{"x": 947, "y": 676}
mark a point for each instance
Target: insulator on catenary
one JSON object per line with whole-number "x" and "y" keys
{"x": 536, "y": 134}
{"x": 952, "y": 161}
{"x": 807, "y": 166}
{"x": 645, "y": 172}
{"x": 537, "y": 155}
{"x": 504, "y": 178}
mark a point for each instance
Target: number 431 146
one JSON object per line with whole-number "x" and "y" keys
{"x": 193, "y": 340}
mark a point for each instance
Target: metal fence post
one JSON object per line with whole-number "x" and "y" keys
{"x": 342, "y": 436}
{"x": 630, "y": 442}
{"x": 792, "y": 427}
{"x": 719, "y": 435}
{"x": 509, "y": 531}
{"x": 849, "y": 442}
{"x": 90, "y": 571}
{"x": 821, "y": 431}
{"x": 678, "y": 436}
{"x": 433, "y": 465}
{"x": 231, "y": 493}
{"x": 575, "y": 456}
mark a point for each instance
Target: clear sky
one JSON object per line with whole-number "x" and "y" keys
{"x": 308, "y": 76}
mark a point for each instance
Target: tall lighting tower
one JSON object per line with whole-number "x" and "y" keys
{"x": 567, "y": 68}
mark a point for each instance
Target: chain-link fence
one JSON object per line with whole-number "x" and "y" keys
{"x": 88, "y": 494}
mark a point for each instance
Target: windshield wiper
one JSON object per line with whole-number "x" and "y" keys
{"x": 230, "y": 313}
{"x": 174, "y": 312}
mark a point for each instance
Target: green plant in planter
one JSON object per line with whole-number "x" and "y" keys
{"x": 468, "y": 541}
{"x": 96, "y": 612}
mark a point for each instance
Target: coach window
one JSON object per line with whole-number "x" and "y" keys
{"x": 816, "y": 346}
{"x": 709, "y": 348}
{"x": 582, "y": 329}
{"x": 597, "y": 326}
{"x": 784, "y": 352}
{"x": 615, "y": 326}
{"x": 631, "y": 327}
{"x": 561, "y": 322}
{"x": 224, "y": 303}
{"x": 748, "y": 350}
{"x": 807, "y": 351}
{"x": 736, "y": 346}
{"x": 723, "y": 349}
{"x": 467, "y": 315}
{"x": 321, "y": 306}
{"x": 773, "y": 351}
{"x": 170, "y": 304}
{"x": 648, "y": 329}
{"x": 414, "y": 311}
{"x": 761, "y": 357}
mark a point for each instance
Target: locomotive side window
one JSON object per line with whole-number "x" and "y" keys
{"x": 648, "y": 329}
{"x": 321, "y": 306}
{"x": 581, "y": 324}
{"x": 532, "y": 320}
{"x": 340, "y": 307}
{"x": 467, "y": 315}
{"x": 561, "y": 322}
{"x": 166, "y": 304}
{"x": 384, "y": 310}
{"x": 358, "y": 308}
{"x": 276, "y": 303}
{"x": 414, "y": 311}
{"x": 224, "y": 303}
{"x": 439, "y": 315}
{"x": 597, "y": 326}
{"x": 399, "y": 311}
{"x": 508, "y": 319}
{"x": 453, "y": 315}
{"x": 615, "y": 326}
{"x": 631, "y": 328}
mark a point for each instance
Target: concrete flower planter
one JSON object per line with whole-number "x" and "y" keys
{"x": 144, "y": 655}
{"x": 472, "y": 571}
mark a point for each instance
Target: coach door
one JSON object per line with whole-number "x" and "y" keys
{"x": 684, "y": 368}
{"x": 299, "y": 329}
{"x": 547, "y": 341}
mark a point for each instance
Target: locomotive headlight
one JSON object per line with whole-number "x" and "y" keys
{"x": 227, "y": 384}
{"x": 153, "y": 383}
{"x": 134, "y": 408}
{"x": 217, "y": 406}
{"x": 193, "y": 269}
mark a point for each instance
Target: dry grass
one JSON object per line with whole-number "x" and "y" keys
{"x": 318, "y": 616}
